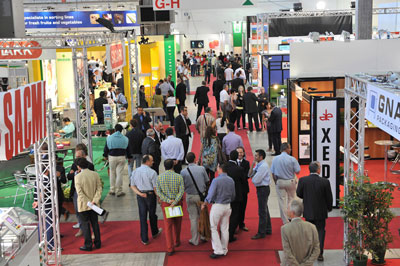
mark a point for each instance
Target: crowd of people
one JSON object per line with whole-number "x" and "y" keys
{"x": 218, "y": 174}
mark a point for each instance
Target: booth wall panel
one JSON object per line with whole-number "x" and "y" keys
{"x": 336, "y": 58}
{"x": 371, "y": 135}
{"x": 340, "y": 84}
{"x": 320, "y": 85}
{"x": 294, "y": 125}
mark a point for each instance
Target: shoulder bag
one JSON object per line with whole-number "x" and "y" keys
{"x": 202, "y": 196}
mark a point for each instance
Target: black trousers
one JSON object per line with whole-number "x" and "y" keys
{"x": 320, "y": 225}
{"x": 185, "y": 142}
{"x": 276, "y": 140}
{"x": 100, "y": 121}
{"x": 170, "y": 111}
{"x": 178, "y": 167}
{"x": 217, "y": 101}
{"x": 240, "y": 114}
{"x": 221, "y": 137}
{"x": 243, "y": 206}
{"x": 211, "y": 174}
{"x": 232, "y": 117}
{"x": 90, "y": 218}
{"x": 234, "y": 218}
{"x": 207, "y": 77}
{"x": 269, "y": 138}
{"x": 199, "y": 108}
{"x": 264, "y": 219}
{"x": 147, "y": 206}
{"x": 251, "y": 117}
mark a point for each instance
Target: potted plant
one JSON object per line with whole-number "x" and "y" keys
{"x": 377, "y": 216}
{"x": 366, "y": 208}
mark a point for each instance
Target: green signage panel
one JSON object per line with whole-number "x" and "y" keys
{"x": 169, "y": 48}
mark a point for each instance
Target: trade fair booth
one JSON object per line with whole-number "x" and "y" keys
{"x": 24, "y": 130}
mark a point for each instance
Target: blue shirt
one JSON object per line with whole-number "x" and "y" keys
{"x": 222, "y": 190}
{"x": 261, "y": 174}
{"x": 285, "y": 166}
{"x": 231, "y": 142}
{"x": 117, "y": 141}
{"x": 172, "y": 148}
{"x": 144, "y": 178}
{"x": 68, "y": 130}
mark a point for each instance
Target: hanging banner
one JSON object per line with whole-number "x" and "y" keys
{"x": 22, "y": 118}
{"x": 160, "y": 5}
{"x": 78, "y": 19}
{"x": 115, "y": 56}
{"x": 237, "y": 33}
{"x": 24, "y": 52}
{"x": 169, "y": 47}
{"x": 383, "y": 110}
{"x": 325, "y": 140}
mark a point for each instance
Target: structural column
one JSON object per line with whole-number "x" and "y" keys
{"x": 364, "y": 19}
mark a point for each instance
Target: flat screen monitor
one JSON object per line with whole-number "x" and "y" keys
{"x": 197, "y": 44}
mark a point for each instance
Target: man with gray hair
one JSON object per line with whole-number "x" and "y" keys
{"x": 150, "y": 146}
{"x": 317, "y": 198}
{"x": 284, "y": 169}
{"x": 299, "y": 238}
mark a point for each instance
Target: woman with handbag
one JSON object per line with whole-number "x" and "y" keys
{"x": 221, "y": 123}
{"x": 240, "y": 113}
{"x": 210, "y": 152}
{"x": 171, "y": 103}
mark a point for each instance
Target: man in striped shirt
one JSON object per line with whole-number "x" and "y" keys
{"x": 170, "y": 188}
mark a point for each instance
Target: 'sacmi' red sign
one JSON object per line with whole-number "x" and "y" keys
{"x": 22, "y": 118}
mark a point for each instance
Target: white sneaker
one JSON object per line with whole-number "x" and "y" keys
{"x": 75, "y": 226}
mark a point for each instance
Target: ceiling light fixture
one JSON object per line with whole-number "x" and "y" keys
{"x": 321, "y": 5}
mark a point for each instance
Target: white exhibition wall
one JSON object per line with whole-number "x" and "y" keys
{"x": 327, "y": 59}
{"x": 207, "y": 38}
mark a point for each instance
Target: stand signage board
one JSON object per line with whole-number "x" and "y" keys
{"x": 383, "y": 110}
{"x": 78, "y": 19}
{"x": 325, "y": 140}
{"x": 169, "y": 48}
{"x": 23, "y": 53}
{"x": 115, "y": 56}
{"x": 22, "y": 118}
{"x": 162, "y": 5}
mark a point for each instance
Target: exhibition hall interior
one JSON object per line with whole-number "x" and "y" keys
{"x": 199, "y": 132}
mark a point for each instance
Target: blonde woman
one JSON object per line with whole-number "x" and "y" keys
{"x": 221, "y": 126}
{"x": 240, "y": 112}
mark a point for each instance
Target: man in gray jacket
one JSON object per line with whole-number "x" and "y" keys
{"x": 192, "y": 194}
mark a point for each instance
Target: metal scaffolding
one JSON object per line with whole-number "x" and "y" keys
{"x": 46, "y": 183}
{"x": 46, "y": 189}
{"x": 355, "y": 95}
{"x": 133, "y": 61}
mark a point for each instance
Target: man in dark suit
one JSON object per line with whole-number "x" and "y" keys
{"x": 201, "y": 98}
{"x": 242, "y": 162}
{"x": 317, "y": 199}
{"x": 160, "y": 133}
{"x": 98, "y": 108}
{"x": 150, "y": 146}
{"x": 180, "y": 93}
{"x": 136, "y": 137}
{"x": 182, "y": 130}
{"x": 218, "y": 86}
{"x": 238, "y": 175}
{"x": 236, "y": 83}
{"x": 250, "y": 105}
{"x": 143, "y": 119}
{"x": 170, "y": 81}
{"x": 275, "y": 120}
{"x": 142, "y": 97}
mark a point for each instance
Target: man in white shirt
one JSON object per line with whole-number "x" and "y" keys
{"x": 172, "y": 148}
{"x": 224, "y": 99}
{"x": 242, "y": 73}
{"x": 229, "y": 74}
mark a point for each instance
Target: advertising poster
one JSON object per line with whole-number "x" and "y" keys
{"x": 50, "y": 76}
{"x": 78, "y": 19}
{"x": 169, "y": 47}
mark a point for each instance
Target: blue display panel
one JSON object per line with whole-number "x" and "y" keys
{"x": 78, "y": 19}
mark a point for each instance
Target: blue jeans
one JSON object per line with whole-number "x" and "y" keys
{"x": 264, "y": 219}
{"x": 135, "y": 158}
{"x": 187, "y": 83}
{"x": 148, "y": 206}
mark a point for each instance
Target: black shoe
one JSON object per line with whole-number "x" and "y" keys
{"x": 257, "y": 236}
{"x": 170, "y": 253}
{"x": 84, "y": 248}
{"x": 233, "y": 239}
{"x": 66, "y": 215}
{"x": 216, "y": 256}
{"x": 244, "y": 228}
{"x": 105, "y": 216}
{"x": 269, "y": 233}
{"x": 97, "y": 246}
{"x": 320, "y": 257}
{"x": 258, "y": 130}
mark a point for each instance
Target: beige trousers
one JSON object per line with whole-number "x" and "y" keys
{"x": 117, "y": 166}
{"x": 220, "y": 214}
{"x": 286, "y": 191}
{"x": 194, "y": 215}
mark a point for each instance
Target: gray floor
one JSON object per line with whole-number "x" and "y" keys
{"x": 125, "y": 208}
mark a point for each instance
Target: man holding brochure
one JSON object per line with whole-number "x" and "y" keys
{"x": 170, "y": 189}
{"x": 220, "y": 194}
{"x": 143, "y": 183}
{"x": 88, "y": 187}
